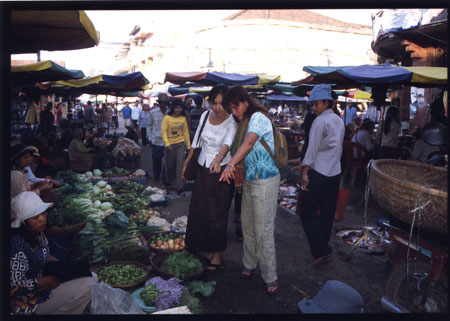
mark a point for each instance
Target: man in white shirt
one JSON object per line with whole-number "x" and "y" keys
{"x": 29, "y": 173}
{"x": 155, "y": 138}
{"x": 135, "y": 111}
{"x": 321, "y": 174}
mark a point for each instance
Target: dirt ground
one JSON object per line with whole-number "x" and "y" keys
{"x": 297, "y": 278}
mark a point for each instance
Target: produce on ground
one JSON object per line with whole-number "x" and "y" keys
{"x": 142, "y": 215}
{"x": 149, "y": 294}
{"x": 159, "y": 222}
{"x": 126, "y": 147}
{"x": 182, "y": 263}
{"x": 140, "y": 173}
{"x": 121, "y": 274}
{"x": 127, "y": 187}
{"x": 168, "y": 241}
{"x": 171, "y": 292}
{"x": 149, "y": 190}
{"x": 179, "y": 224}
{"x": 116, "y": 171}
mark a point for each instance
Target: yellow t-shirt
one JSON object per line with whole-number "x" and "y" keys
{"x": 175, "y": 130}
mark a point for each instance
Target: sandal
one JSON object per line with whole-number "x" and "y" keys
{"x": 215, "y": 266}
{"x": 323, "y": 259}
{"x": 247, "y": 273}
{"x": 271, "y": 285}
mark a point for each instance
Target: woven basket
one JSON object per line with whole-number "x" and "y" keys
{"x": 156, "y": 250}
{"x": 131, "y": 285}
{"x": 68, "y": 230}
{"x": 158, "y": 259}
{"x": 397, "y": 184}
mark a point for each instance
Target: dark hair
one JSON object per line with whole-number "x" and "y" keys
{"x": 175, "y": 103}
{"x": 219, "y": 89}
{"x": 198, "y": 100}
{"x": 391, "y": 115}
{"x": 239, "y": 94}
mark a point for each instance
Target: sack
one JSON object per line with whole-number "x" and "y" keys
{"x": 191, "y": 167}
{"x": 281, "y": 148}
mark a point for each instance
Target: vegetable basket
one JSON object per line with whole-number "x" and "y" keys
{"x": 157, "y": 250}
{"x": 117, "y": 178}
{"x": 141, "y": 180}
{"x": 399, "y": 185}
{"x": 66, "y": 230}
{"x": 160, "y": 267}
{"x": 140, "y": 302}
{"x": 130, "y": 285}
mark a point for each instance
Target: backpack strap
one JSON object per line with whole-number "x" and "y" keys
{"x": 264, "y": 143}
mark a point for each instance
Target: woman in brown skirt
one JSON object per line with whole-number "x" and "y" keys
{"x": 208, "y": 211}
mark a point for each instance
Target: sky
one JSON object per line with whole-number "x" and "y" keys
{"x": 114, "y": 27}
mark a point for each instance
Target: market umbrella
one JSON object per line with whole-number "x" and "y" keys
{"x": 359, "y": 94}
{"x": 42, "y": 71}
{"x": 183, "y": 77}
{"x": 211, "y": 78}
{"x": 34, "y": 30}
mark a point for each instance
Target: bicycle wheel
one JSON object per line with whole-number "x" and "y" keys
{"x": 407, "y": 292}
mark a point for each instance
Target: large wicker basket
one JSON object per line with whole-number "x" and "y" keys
{"x": 68, "y": 230}
{"x": 396, "y": 185}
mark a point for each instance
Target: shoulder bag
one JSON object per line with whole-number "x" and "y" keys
{"x": 191, "y": 167}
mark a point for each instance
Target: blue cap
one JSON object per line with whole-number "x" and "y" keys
{"x": 321, "y": 92}
{"x": 334, "y": 297}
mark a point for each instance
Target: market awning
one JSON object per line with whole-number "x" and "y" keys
{"x": 131, "y": 81}
{"x": 375, "y": 75}
{"x": 34, "y": 30}
{"x": 180, "y": 78}
{"x": 211, "y": 78}
{"x": 42, "y": 71}
{"x": 423, "y": 75}
{"x": 286, "y": 98}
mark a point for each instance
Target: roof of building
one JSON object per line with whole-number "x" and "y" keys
{"x": 295, "y": 15}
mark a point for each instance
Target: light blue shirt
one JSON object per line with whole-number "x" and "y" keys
{"x": 31, "y": 177}
{"x": 258, "y": 163}
{"x": 349, "y": 115}
{"x": 325, "y": 144}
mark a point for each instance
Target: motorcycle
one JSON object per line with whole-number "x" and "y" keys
{"x": 418, "y": 280}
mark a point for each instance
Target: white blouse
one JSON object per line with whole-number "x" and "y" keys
{"x": 213, "y": 138}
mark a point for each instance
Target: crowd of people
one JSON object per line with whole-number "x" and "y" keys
{"x": 233, "y": 137}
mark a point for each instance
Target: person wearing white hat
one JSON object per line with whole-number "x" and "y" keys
{"x": 321, "y": 174}
{"x": 32, "y": 290}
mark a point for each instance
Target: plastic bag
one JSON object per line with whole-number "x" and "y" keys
{"x": 108, "y": 300}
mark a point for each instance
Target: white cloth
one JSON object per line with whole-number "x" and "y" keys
{"x": 366, "y": 140}
{"x": 213, "y": 138}
{"x": 325, "y": 144}
{"x": 421, "y": 150}
{"x": 135, "y": 111}
{"x": 154, "y": 126}
{"x": 31, "y": 177}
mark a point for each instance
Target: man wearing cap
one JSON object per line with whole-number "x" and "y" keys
{"x": 321, "y": 174}
{"x": 22, "y": 157}
{"x": 30, "y": 175}
{"x": 155, "y": 139}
